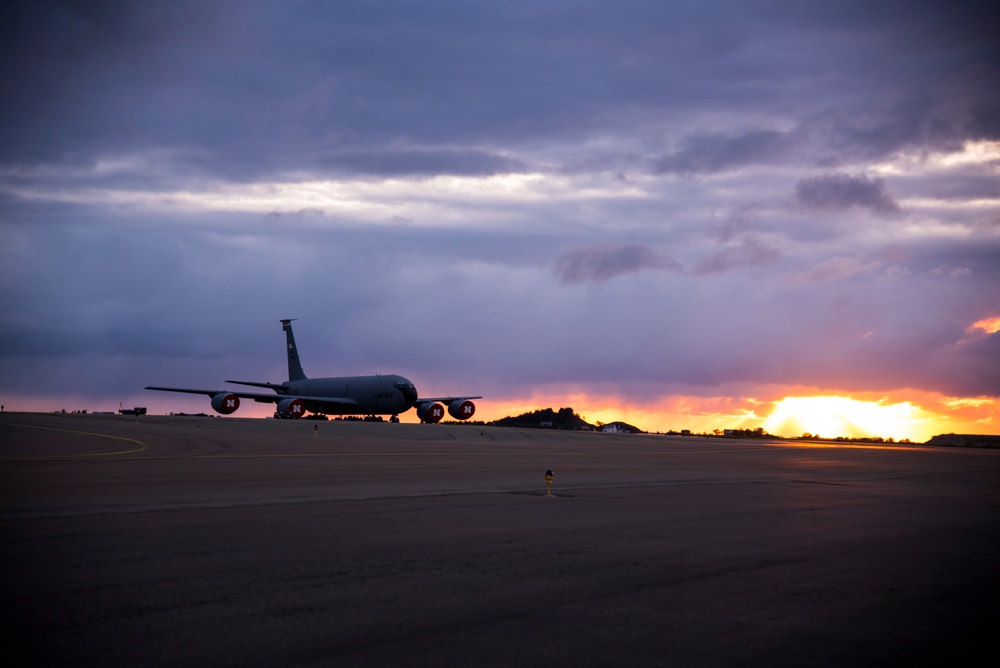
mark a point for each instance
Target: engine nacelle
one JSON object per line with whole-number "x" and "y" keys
{"x": 430, "y": 412}
{"x": 461, "y": 409}
{"x": 292, "y": 407}
{"x": 225, "y": 402}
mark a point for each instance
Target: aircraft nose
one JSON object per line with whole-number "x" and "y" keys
{"x": 409, "y": 393}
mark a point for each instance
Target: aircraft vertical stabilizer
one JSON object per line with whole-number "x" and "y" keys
{"x": 294, "y": 366}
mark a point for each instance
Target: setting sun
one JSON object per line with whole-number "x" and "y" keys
{"x": 842, "y": 416}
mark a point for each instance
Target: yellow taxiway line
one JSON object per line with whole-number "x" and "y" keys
{"x": 142, "y": 444}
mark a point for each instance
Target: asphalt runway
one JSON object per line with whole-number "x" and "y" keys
{"x": 169, "y": 541}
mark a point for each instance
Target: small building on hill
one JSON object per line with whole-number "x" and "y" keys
{"x": 620, "y": 428}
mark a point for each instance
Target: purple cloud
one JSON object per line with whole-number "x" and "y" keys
{"x": 706, "y": 154}
{"x": 603, "y": 262}
{"x": 838, "y": 192}
{"x": 412, "y": 161}
{"x": 747, "y": 251}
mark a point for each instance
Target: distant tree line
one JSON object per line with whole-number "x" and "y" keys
{"x": 745, "y": 433}
{"x": 853, "y": 439}
{"x": 870, "y": 439}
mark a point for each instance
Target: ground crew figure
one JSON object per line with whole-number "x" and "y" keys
{"x": 315, "y": 430}
{"x": 548, "y": 482}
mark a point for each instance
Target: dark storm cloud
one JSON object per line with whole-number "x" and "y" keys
{"x": 719, "y": 152}
{"x": 918, "y": 121}
{"x": 265, "y": 89}
{"x": 86, "y": 77}
{"x": 59, "y": 341}
{"x": 837, "y": 192}
{"x": 606, "y": 261}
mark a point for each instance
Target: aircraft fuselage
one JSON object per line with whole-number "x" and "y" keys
{"x": 375, "y": 395}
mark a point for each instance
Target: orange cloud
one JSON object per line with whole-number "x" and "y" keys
{"x": 988, "y": 325}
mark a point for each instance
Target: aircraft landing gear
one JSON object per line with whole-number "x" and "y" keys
{"x": 394, "y": 419}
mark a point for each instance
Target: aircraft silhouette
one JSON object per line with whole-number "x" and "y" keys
{"x": 348, "y": 395}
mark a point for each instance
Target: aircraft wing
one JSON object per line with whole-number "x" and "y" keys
{"x": 445, "y": 400}
{"x": 277, "y": 387}
{"x": 207, "y": 393}
{"x": 265, "y": 398}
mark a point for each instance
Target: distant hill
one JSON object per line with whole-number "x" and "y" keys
{"x": 546, "y": 418}
{"x": 966, "y": 440}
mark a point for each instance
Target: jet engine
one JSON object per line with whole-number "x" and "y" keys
{"x": 225, "y": 402}
{"x": 461, "y": 409}
{"x": 291, "y": 407}
{"x": 430, "y": 412}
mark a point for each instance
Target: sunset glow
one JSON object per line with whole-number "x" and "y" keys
{"x": 827, "y": 416}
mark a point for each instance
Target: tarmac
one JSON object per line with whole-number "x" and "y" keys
{"x": 162, "y": 541}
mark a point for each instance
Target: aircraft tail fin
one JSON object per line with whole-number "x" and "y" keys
{"x": 294, "y": 366}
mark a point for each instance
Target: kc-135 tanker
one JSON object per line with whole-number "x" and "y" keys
{"x": 348, "y": 395}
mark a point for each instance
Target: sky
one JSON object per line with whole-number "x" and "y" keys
{"x": 684, "y": 215}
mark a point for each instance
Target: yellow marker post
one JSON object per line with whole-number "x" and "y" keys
{"x": 548, "y": 482}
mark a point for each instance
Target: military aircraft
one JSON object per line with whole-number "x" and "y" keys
{"x": 349, "y": 395}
